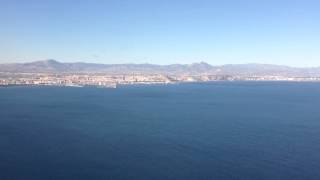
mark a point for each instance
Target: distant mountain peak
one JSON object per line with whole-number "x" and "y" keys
{"x": 201, "y": 66}
{"x": 50, "y": 61}
{"x": 201, "y": 63}
{"x": 45, "y": 62}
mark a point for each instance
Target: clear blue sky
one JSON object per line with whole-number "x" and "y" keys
{"x": 161, "y": 31}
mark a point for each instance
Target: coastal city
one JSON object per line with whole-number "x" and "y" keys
{"x": 112, "y": 81}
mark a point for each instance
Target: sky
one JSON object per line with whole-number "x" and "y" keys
{"x": 285, "y": 32}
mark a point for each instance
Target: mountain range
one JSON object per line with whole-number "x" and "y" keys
{"x": 53, "y": 66}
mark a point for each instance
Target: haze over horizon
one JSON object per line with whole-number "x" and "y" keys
{"x": 168, "y": 32}
{"x": 50, "y": 61}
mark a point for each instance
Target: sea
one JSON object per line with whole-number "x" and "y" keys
{"x": 192, "y": 131}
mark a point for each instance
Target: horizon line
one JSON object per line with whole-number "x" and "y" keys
{"x": 147, "y": 63}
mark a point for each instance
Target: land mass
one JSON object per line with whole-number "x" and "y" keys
{"x": 52, "y": 72}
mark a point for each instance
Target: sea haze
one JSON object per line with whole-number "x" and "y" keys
{"x": 221, "y": 130}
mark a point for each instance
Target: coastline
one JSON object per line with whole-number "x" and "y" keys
{"x": 158, "y": 84}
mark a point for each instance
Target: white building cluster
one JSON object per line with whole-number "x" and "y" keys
{"x": 111, "y": 81}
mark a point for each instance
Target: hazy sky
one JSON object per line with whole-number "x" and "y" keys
{"x": 161, "y": 31}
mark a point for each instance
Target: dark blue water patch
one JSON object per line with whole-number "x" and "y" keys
{"x": 222, "y": 130}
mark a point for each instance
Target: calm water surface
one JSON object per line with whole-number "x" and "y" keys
{"x": 222, "y": 130}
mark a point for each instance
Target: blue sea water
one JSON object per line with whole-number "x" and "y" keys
{"x": 222, "y": 130}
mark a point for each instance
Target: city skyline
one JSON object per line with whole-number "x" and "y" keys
{"x": 167, "y": 32}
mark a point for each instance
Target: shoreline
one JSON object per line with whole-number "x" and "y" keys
{"x": 152, "y": 84}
